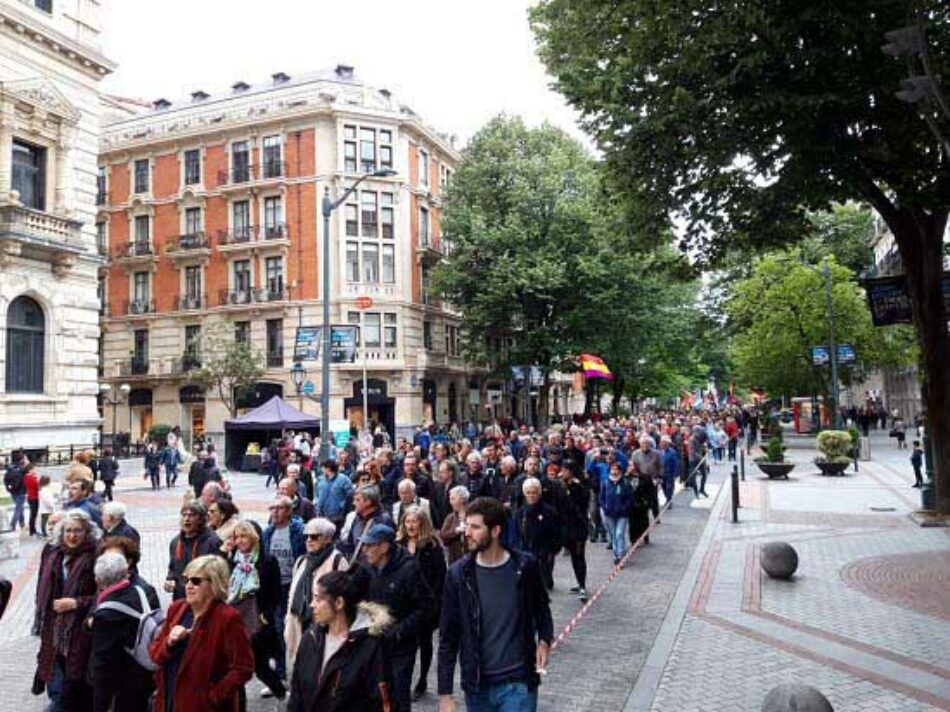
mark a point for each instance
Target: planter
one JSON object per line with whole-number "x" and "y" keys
{"x": 832, "y": 469}
{"x": 776, "y": 470}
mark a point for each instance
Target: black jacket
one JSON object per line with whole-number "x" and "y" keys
{"x": 439, "y": 505}
{"x": 108, "y": 468}
{"x": 504, "y": 489}
{"x": 431, "y": 560}
{"x": 539, "y": 528}
{"x": 460, "y": 623}
{"x": 645, "y": 494}
{"x": 14, "y": 481}
{"x": 123, "y": 528}
{"x": 181, "y": 551}
{"x": 401, "y": 587}
{"x": 574, "y": 521}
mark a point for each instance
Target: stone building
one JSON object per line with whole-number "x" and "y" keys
{"x": 210, "y": 213}
{"x": 50, "y": 68}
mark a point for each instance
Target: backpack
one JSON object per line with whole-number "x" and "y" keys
{"x": 150, "y": 623}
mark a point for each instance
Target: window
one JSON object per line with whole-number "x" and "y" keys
{"x": 273, "y": 166}
{"x": 389, "y": 330}
{"x": 349, "y": 149}
{"x": 451, "y": 340}
{"x": 102, "y": 293}
{"x": 424, "y": 283}
{"x": 29, "y": 174}
{"x": 192, "y": 166}
{"x": 140, "y": 351}
{"x": 387, "y": 214}
{"x": 101, "y": 186}
{"x": 371, "y": 335}
{"x": 427, "y": 335}
{"x": 354, "y": 319}
{"x": 367, "y": 150}
{"x": 352, "y": 262}
{"x": 275, "y": 343}
{"x": 192, "y": 221}
{"x": 141, "y": 175}
{"x": 368, "y": 214}
{"x": 241, "y": 220}
{"x": 242, "y": 276}
{"x": 142, "y": 231}
{"x": 44, "y": 5}
{"x": 385, "y": 149}
{"x": 274, "y": 276}
{"x": 423, "y": 167}
{"x": 192, "y": 355}
{"x": 423, "y": 226}
{"x": 26, "y": 340}
{"x": 445, "y": 175}
{"x": 102, "y": 241}
{"x": 389, "y": 264}
{"x": 370, "y": 262}
{"x": 240, "y": 162}
{"x": 192, "y": 287}
{"x": 140, "y": 293}
{"x": 242, "y": 332}
{"x": 273, "y": 218}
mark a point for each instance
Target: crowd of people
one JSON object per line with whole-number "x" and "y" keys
{"x": 334, "y": 600}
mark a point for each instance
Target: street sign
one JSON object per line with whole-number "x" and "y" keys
{"x": 307, "y": 343}
{"x": 846, "y": 354}
{"x": 343, "y": 343}
{"x": 820, "y": 355}
{"x": 364, "y": 302}
{"x": 309, "y": 388}
{"x": 888, "y": 300}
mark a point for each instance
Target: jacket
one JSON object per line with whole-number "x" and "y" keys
{"x": 349, "y": 540}
{"x": 181, "y": 551}
{"x": 333, "y": 497}
{"x": 460, "y": 623}
{"x": 355, "y": 676}
{"x": 431, "y": 558}
{"x": 402, "y": 589}
{"x": 216, "y": 665}
{"x": 123, "y": 528}
{"x": 13, "y": 481}
{"x": 303, "y": 507}
{"x": 298, "y": 542}
{"x": 108, "y": 469}
{"x": 671, "y": 463}
{"x": 645, "y": 494}
{"x": 539, "y": 528}
{"x": 616, "y": 498}
{"x": 294, "y": 627}
{"x": 574, "y": 522}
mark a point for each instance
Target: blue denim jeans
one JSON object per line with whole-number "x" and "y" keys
{"x": 617, "y": 530}
{"x": 19, "y": 501}
{"x": 503, "y": 697}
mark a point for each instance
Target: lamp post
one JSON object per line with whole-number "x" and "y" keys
{"x": 328, "y": 206}
{"x": 833, "y": 346}
{"x": 298, "y": 374}
{"x": 105, "y": 389}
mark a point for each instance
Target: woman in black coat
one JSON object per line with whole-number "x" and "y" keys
{"x": 108, "y": 471}
{"x": 575, "y": 523}
{"x": 353, "y": 678}
{"x": 417, "y": 535}
{"x": 645, "y": 500}
{"x": 539, "y": 529}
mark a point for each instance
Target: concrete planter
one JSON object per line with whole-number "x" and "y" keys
{"x": 832, "y": 469}
{"x": 776, "y": 470}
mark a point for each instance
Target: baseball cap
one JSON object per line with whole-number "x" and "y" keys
{"x": 378, "y": 533}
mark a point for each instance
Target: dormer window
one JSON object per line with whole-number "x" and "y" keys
{"x": 161, "y": 104}
{"x": 199, "y": 95}
{"x": 279, "y": 77}
{"x": 44, "y": 5}
{"x": 344, "y": 71}
{"x": 240, "y": 86}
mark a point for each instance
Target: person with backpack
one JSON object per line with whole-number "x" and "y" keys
{"x": 120, "y": 626}
{"x": 14, "y": 481}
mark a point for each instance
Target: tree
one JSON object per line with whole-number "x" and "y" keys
{"x": 780, "y": 312}
{"x": 228, "y": 366}
{"x": 740, "y": 117}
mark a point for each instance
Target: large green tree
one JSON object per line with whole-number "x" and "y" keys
{"x": 741, "y": 116}
{"x": 229, "y": 367}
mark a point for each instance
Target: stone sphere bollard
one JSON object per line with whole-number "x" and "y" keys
{"x": 779, "y": 560}
{"x": 792, "y": 697}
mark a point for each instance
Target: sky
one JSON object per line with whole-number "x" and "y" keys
{"x": 457, "y": 63}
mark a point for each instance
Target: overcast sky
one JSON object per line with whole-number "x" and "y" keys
{"x": 455, "y": 62}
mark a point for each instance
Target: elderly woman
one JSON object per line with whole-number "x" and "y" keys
{"x": 254, "y": 591}
{"x": 223, "y": 517}
{"x": 452, "y": 533}
{"x": 539, "y": 529}
{"x": 417, "y": 537}
{"x": 203, "y": 650}
{"x": 320, "y": 558}
{"x": 65, "y": 591}
{"x": 129, "y": 548}
{"x": 118, "y": 681}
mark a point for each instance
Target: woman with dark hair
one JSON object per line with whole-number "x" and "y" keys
{"x": 340, "y": 665}
{"x": 223, "y": 518}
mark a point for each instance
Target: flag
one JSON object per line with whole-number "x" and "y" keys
{"x": 594, "y": 367}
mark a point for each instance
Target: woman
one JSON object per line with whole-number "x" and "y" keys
{"x": 418, "y": 538}
{"x": 539, "y": 529}
{"x": 223, "y": 518}
{"x": 47, "y": 502}
{"x": 119, "y": 682}
{"x": 129, "y": 548}
{"x": 254, "y": 591}
{"x": 575, "y": 524}
{"x": 615, "y": 499}
{"x": 321, "y": 558}
{"x": 31, "y": 479}
{"x": 108, "y": 470}
{"x": 203, "y": 650}
{"x": 452, "y": 533}
{"x": 340, "y": 665}
{"x": 65, "y": 591}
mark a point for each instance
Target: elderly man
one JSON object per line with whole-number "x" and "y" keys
{"x": 114, "y": 523}
{"x": 408, "y": 496}
{"x": 439, "y": 505}
{"x": 210, "y": 494}
{"x": 410, "y": 471}
{"x": 367, "y": 510}
{"x": 284, "y": 540}
{"x": 195, "y": 539}
{"x": 646, "y": 461}
{"x": 474, "y": 477}
{"x": 302, "y": 508}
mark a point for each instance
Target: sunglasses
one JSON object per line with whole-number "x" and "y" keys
{"x": 314, "y": 537}
{"x": 196, "y": 580}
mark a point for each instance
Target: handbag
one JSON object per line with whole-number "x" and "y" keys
{"x": 250, "y": 614}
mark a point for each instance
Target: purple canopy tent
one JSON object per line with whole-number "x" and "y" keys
{"x": 275, "y": 416}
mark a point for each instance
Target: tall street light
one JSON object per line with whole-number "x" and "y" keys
{"x": 329, "y": 205}
{"x": 105, "y": 389}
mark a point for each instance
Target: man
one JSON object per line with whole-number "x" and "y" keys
{"x": 79, "y": 495}
{"x": 195, "y": 539}
{"x": 598, "y": 471}
{"x": 473, "y": 477}
{"x": 196, "y": 473}
{"x": 698, "y": 469}
{"x": 334, "y": 492}
{"x": 367, "y": 510}
{"x": 301, "y": 507}
{"x": 398, "y": 585}
{"x": 496, "y": 620}
{"x": 171, "y": 459}
{"x": 408, "y": 496}
{"x": 210, "y": 493}
{"x": 646, "y": 461}
{"x": 303, "y": 479}
{"x": 114, "y": 523}
{"x": 671, "y": 467}
{"x": 15, "y": 482}
{"x": 410, "y": 471}
{"x": 439, "y": 505}
{"x": 284, "y": 540}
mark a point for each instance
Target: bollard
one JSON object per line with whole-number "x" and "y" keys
{"x": 735, "y": 494}
{"x": 742, "y": 465}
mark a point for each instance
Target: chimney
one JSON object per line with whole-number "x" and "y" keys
{"x": 161, "y": 104}
{"x": 240, "y": 86}
{"x": 386, "y": 93}
{"x": 199, "y": 95}
{"x": 344, "y": 71}
{"x": 279, "y": 77}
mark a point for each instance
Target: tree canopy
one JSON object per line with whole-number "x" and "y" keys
{"x": 228, "y": 366}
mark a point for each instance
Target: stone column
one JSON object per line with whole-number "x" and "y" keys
{"x": 7, "y": 122}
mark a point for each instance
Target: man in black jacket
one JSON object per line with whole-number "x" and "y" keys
{"x": 496, "y": 619}
{"x": 398, "y": 584}
{"x": 195, "y": 539}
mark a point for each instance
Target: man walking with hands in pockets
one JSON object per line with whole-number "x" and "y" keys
{"x": 496, "y": 620}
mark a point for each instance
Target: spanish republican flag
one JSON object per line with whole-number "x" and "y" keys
{"x": 594, "y": 367}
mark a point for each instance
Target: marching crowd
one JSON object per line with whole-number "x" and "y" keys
{"x": 334, "y": 598}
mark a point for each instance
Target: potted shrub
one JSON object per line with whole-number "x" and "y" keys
{"x": 773, "y": 463}
{"x": 835, "y": 447}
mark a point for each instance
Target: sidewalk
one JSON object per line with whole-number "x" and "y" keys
{"x": 866, "y": 619}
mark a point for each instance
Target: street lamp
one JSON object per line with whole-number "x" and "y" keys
{"x": 105, "y": 389}
{"x": 329, "y": 205}
{"x": 298, "y": 375}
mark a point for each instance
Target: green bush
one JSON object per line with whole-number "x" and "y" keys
{"x": 774, "y": 451}
{"x": 855, "y": 435}
{"x": 835, "y": 446}
{"x": 159, "y": 433}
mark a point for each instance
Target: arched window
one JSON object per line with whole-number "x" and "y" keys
{"x": 26, "y": 332}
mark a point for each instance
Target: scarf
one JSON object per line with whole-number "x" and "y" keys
{"x": 52, "y": 584}
{"x": 244, "y": 578}
{"x": 109, "y": 590}
{"x": 300, "y": 605}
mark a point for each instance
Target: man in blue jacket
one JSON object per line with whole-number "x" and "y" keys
{"x": 496, "y": 619}
{"x": 334, "y": 494}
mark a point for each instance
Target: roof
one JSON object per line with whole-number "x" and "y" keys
{"x": 275, "y": 414}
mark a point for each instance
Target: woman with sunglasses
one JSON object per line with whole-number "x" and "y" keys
{"x": 321, "y": 558}
{"x": 340, "y": 665}
{"x": 203, "y": 649}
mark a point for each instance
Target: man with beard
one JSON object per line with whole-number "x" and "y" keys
{"x": 496, "y": 619}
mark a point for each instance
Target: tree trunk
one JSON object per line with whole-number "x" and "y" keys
{"x": 616, "y": 392}
{"x": 919, "y": 239}
{"x": 544, "y": 401}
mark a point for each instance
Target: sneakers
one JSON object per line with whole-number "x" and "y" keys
{"x": 576, "y": 589}
{"x": 582, "y": 594}
{"x": 266, "y": 692}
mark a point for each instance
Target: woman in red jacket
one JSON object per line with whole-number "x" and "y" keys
{"x": 31, "y": 479}
{"x": 203, "y": 648}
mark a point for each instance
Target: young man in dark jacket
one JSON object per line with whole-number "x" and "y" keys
{"x": 398, "y": 584}
{"x": 496, "y": 618}
{"x": 195, "y": 539}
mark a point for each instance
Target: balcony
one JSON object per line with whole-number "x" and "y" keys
{"x": 38, "y": 235}
{"x": 188, "y": 362}
{"x": 138, "y": 366}
{"x": 428, "y": 254}
{"x": 196, "y": 244}
{"x": 137, "y": 307}
{"x": 252, "y": 296}
{"x": 240, "y": 176}
{"x": 134, "y": 254}
{"x": 102, "y": 198}
{"x": 275, "y": 359}
{"x": 191, "y": 302}
{"x": 254, "y": 237}
{"x": 271, "y": 294}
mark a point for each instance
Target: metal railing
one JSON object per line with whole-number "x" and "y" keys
{"x": 139, "y": 306}
{"x": 191, "y": 241}
{"x": 256, "y": 172}
{"x": 190, "y": 302}
{"x": 139, "y": 248}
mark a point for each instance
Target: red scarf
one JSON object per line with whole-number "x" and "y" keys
{"x": 104, "y": 593}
